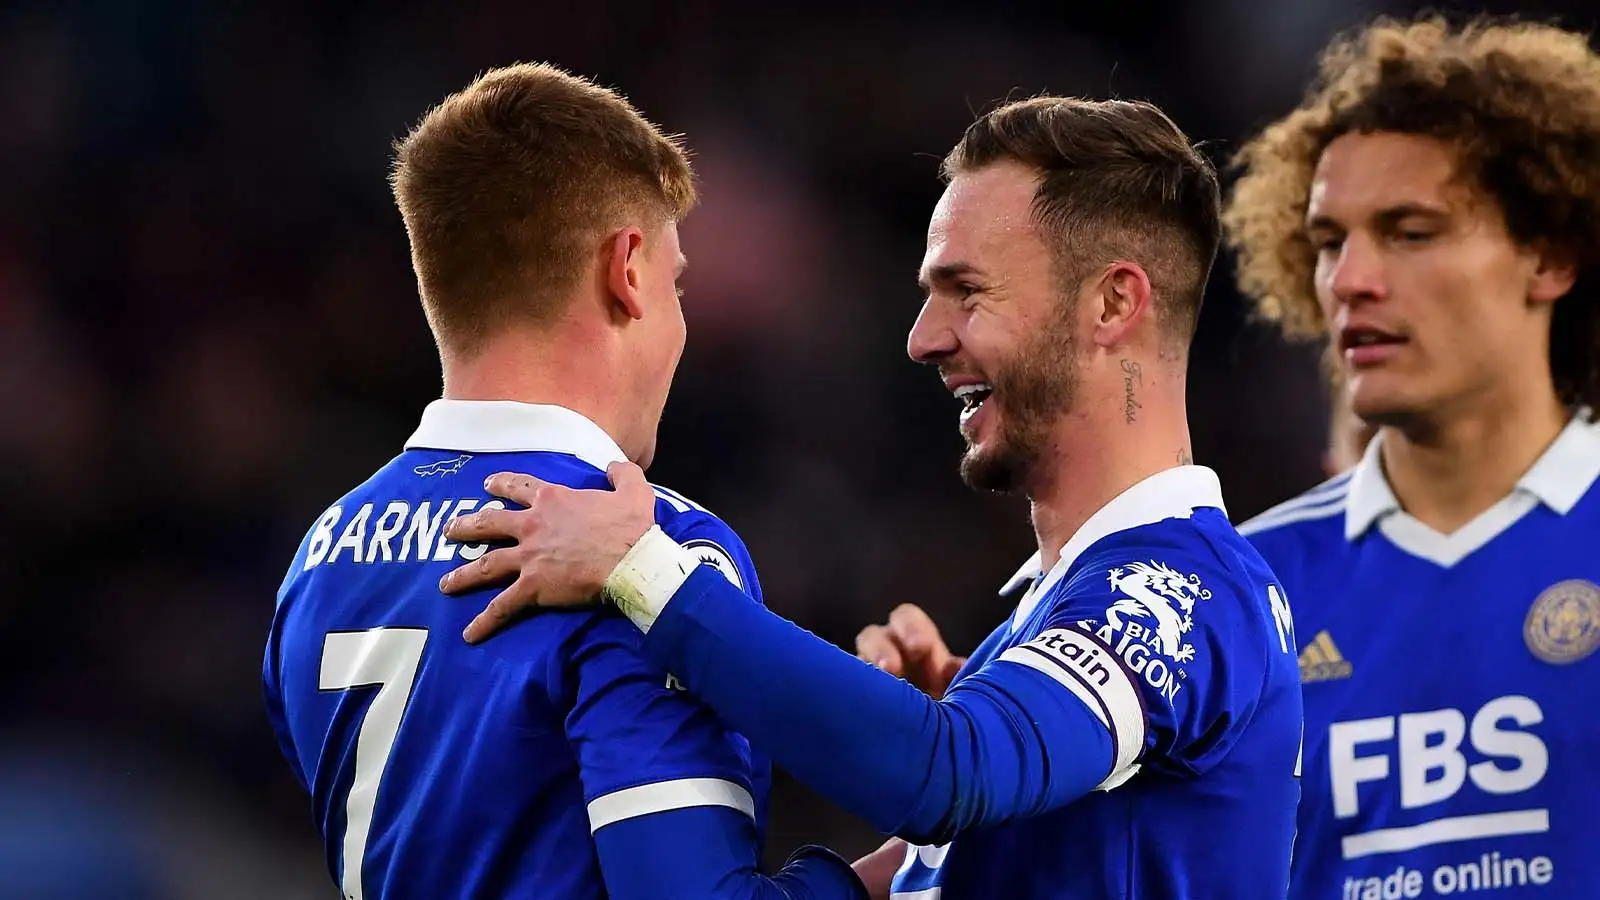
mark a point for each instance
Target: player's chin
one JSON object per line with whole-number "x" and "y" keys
{"x": 990, "y": 468}
{"x": 1385, "y": 398}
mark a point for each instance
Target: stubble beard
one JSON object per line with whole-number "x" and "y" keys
{"x": 1031, "y": 391}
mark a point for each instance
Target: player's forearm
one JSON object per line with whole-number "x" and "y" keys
{"x": 864, "y": 739}
{"x": 861, "y": 737}
{"x": 709, "y": 852}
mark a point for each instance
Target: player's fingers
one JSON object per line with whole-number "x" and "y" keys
{"x": 484, "y": 525}
{"x": 916, "y": 633}
{"x": 495, "y": 616}
{"x": 491, "y": 568}
{"x": 524, "y": 489}
{"x": 947, "y": 672}
{"x": 875, "y": 645}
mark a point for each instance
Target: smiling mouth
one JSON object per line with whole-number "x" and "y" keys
{"x": 972, "y": 397}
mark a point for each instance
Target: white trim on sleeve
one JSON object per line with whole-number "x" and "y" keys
{"x": 663, "y": 796}
{"x": 1096, "y": 677}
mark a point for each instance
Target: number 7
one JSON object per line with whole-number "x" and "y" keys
{"x": 388, "y": 658}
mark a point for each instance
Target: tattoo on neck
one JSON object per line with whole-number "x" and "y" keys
{"x": 1132, "y": 374}
{"x": 1185, "y": 458}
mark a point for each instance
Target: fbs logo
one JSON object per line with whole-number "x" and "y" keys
{"x": 1322, "y": 661}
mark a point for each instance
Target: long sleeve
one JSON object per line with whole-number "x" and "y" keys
{"x": 668, "y": 787}
{"x": 1007, "y": 741}
{"x": 709, "y": 851}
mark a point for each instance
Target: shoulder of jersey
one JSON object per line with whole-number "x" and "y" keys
{"x": 709, "y": 551}
{"x": 1169, "y": 546}
{"x": 1324, "y": 502}
{"x": 1175, "y": 538}
{"x": 679, "y": 503}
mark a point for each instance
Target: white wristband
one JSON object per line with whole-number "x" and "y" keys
{"x": 648, "y": 576}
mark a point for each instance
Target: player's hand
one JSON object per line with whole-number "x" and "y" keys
{"x": 876, "y": 869}
{"x": 910, "y": 646}
{"x": 567, "y": 543}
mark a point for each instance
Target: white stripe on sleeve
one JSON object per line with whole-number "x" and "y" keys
{"x": 1095, "y": 676}
{"x": 677, "y": 503}
{"x": 663, "y": 796}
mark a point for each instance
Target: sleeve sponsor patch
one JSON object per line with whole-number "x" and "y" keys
{"x": 712, "y": 554}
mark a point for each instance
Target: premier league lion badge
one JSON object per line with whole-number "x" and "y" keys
{"x": 1563, "y": 625}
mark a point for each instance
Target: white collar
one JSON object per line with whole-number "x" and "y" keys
{"x": 1558, "y": 479}
{"x": 507, "y": 426}
{"x": 1169, "y": 494}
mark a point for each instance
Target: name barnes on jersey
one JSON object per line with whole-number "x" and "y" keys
{"x": 401, "y": 532}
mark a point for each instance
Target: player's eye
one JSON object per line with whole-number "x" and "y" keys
{"x": 1414, "y": 230}
{"x": 1326, "y": 243}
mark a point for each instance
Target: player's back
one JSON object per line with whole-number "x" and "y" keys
{"x": 1450, "y": 684}
{"x": 438, "y": 768}
{"x": 378, "y": 690}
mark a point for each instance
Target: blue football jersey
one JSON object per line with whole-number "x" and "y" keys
{"x": 1450, "y": 685}
{"x": 1172, "y": 631}
{"x": 440, "y": 769}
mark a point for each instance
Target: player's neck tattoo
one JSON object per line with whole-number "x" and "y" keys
{"x": 1132, "y": 374}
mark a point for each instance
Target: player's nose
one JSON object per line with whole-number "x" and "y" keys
{"x": 1358, "y": 271}
{"x": 932, "y": 336}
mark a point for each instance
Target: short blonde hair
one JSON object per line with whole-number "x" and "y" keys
{"x": 1116, "y": 177}
{"x": 506, "y": 186}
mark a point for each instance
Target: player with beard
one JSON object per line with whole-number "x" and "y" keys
{"x": 1132, "y": 729}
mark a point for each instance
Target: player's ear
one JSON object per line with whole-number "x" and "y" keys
{"x": 625, "y": 272}
{"x": 1119, "y": 299}
{"x": 1554, "y": 276}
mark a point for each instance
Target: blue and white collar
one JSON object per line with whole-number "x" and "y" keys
{"x": 1558, "y": 479}
{"x": 509, "y": 426}
{"x": 1169, "y": 494}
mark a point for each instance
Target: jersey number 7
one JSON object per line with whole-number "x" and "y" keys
{"x": 386, "y": 658}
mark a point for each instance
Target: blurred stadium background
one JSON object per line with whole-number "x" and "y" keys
{"x": 208, "y": 330}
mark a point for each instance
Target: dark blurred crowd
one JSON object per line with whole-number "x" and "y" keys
{"x": 208, "y": 331}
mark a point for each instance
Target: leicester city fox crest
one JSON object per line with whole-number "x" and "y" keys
{"x": 444, "y": 466}
{"x": 1157, "y": 592}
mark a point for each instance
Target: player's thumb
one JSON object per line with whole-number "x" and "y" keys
{"x": 627, "y": 478}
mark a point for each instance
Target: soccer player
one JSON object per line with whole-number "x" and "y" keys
{"x": 1433, "y": 210}
{"x": 555, "y": 762}
{"x": 1132, "y": 729}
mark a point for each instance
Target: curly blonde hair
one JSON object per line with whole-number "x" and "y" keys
{"x": 1520, "y": 101}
